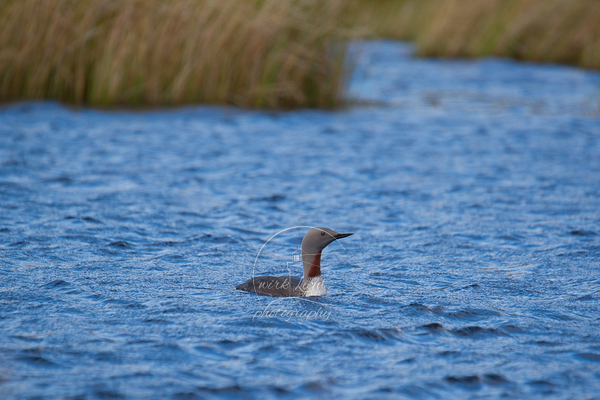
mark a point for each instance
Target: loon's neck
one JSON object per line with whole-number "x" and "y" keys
{"x": 312, "y": 264}
{"x": 312, "y": 281}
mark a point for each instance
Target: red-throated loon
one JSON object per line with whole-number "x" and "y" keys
{"x": 312, "y": 283}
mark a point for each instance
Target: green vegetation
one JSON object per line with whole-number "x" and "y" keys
{"x": 259, "y": 53}
{"x": 562, "y": 31}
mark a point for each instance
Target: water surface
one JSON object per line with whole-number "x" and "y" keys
{"x": 473, "y": 188}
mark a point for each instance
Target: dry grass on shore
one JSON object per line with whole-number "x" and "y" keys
{"x": 562, "y": 31}
{"x": 257, "y": 53}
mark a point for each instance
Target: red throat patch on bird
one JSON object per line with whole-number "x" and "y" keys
{"x": 315, "y": 268}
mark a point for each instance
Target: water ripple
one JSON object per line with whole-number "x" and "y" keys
{"x": 471, "y": 187}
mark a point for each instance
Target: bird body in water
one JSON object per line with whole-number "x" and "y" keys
{"x": 311, "y": 283}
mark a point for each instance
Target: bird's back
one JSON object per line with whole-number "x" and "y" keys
{"x": 276, "y": 286}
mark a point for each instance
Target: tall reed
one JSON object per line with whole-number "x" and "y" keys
{"x": 259, "y": 53}
{"x": 564, "y": 31}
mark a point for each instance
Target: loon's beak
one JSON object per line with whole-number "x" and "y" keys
{"x": 342, "y": 235}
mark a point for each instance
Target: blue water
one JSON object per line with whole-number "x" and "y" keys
{"x": 473, "y": 189}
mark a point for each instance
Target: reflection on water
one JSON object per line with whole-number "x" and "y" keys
{"x": 472, "y": 187}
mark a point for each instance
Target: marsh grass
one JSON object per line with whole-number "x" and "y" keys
{"x": 259, "y": 53}
{"x": 563, "y": 31}
{"x": 267, "y": 53}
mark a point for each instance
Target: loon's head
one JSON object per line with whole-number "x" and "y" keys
{"x": 318, "y": 238}
{"x": 315, "y": 240}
